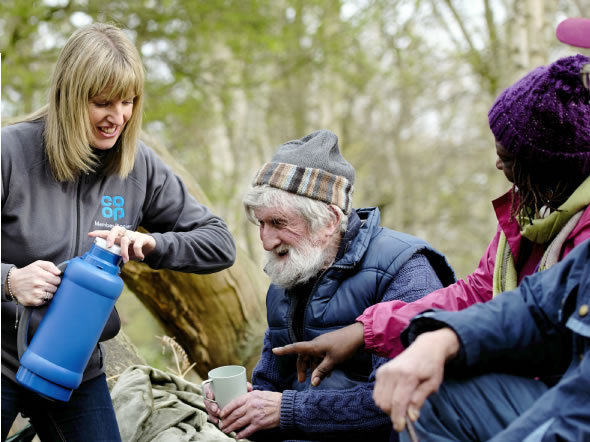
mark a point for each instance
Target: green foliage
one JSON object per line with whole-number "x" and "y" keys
{"x": 406, "y": 84}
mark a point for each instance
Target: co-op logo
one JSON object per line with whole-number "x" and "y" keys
{"x": 112, "y": 207}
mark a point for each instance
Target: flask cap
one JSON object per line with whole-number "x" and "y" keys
{"x": 102, "y": 243}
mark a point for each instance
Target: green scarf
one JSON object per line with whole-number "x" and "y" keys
{"x": 540, "y": 231}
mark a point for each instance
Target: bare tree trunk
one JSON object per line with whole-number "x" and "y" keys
{"x": 538, "y": 46}
{"x": 521, "y": 42}
{"x": 219, "y": 318}
{"x": 529, "y": 47}
{"x": 120, "y": 354}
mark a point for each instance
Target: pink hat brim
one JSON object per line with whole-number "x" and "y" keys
{"x": 574, "y": 32}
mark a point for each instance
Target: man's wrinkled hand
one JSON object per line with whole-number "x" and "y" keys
{"x": 251, "y": 412}
{"x": 211, "y": 406}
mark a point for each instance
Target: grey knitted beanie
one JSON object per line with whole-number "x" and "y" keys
{"x": 312, "y": 167}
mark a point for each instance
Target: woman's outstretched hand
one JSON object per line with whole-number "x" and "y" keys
{"x": 326, "y": 351}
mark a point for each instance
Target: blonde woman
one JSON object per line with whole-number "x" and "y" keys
{"x": 76, "y": 170}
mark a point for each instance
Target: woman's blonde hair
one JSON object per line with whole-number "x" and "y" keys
{"x": 98, "y": 59}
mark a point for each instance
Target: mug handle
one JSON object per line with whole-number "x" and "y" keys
{"x": 205, "y": 382}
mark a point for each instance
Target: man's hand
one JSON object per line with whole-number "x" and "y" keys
{"x": 251, "y": 412}
{"x": 326, "y": 351}
{"x": 211, "y": 405}
{"x": 403, "y": 384}
{"x": 213, "y": 410}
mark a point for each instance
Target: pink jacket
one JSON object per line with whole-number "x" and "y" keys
{"x": 384, "y": 322}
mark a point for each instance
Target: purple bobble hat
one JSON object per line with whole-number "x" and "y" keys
{"x": 545, "y": 116}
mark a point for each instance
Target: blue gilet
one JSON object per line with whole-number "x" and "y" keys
{"x": 357, "y": 280}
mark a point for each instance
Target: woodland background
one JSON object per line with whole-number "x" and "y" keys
{"x": 406, "y": 84}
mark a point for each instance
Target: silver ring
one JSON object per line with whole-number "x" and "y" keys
{"x": 46, "y": 298}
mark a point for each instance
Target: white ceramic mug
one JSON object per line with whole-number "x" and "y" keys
{"x": 226, "y": 383}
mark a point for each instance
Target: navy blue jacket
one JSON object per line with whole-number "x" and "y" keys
{"x": 375, "y": 259}
{"x": 541, "y": 328}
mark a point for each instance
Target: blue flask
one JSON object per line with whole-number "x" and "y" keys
{"x": 55, "y": 360}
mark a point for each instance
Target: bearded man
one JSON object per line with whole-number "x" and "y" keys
{"x": 327, "y": 263}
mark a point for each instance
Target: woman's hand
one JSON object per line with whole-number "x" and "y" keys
{"x": 134, "y": 245}
{"x": 35, "y": 284}
{"x": 324, "y": 352}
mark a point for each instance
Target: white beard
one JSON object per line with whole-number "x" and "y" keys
{"x": 300, "y": 265}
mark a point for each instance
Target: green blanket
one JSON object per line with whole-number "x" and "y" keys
{"x": 155, "y": 406}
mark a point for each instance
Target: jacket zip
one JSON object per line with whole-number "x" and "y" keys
{"x": 77, "y": 232}
{"x": 313, "y": 289}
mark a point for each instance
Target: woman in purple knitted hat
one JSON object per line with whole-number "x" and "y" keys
{"x": 541, "y": 126}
